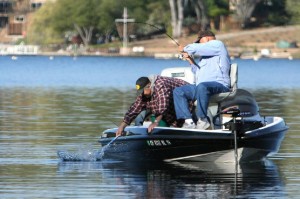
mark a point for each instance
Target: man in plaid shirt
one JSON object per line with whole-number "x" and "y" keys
{"x": 156, "y": 97}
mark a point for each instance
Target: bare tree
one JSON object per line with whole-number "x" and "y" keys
{"x": 85, "y": 34}
{"x": 243, "y": 9}
{"x": 176, "y": 7}
{"x": 201, "y": 13}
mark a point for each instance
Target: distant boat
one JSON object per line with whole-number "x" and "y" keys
{"x": 249, "y": 55}
{"x": 281, "y": 55}
{"x": 165, "y": 55}
{"x": 14, "y": 57}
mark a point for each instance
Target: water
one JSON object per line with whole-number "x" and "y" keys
{"x": 117, "y": 72}
{"x": 84, "y": 154}
{"x": 64, "y": 104}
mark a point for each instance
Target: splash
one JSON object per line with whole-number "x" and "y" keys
{"x": 84, "y": 153}
{"x": 81, "y": 154}
{"x": 101, "y": 153}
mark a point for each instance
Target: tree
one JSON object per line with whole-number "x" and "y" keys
{"x": 40, "y": 30}
{"x": 202, "y": 10}
{"x": 112, "y": 9}
{"x": 215, "y": 10}
{"x": 201, "y": 13}
{"x": 243, "y": 10}
{"x": 81, "y": 15}
{"x": 92, "y": 19}
{"x": 86, "y": 18}
{"x": 176, "y": 7}
{"x": 271, "y": 12}
{"x": 159, "y": 14}
{"x": 66, "y": 16}
{"x": 293, "y": 8}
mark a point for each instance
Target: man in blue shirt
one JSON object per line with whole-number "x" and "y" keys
{"x": 211, "y": 76}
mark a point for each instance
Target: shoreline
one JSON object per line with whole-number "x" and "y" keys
{"x": 239, "y": 44}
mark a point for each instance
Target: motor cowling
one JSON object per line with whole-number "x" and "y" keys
{"x": 244, "y": 101}
{"x": 244, "y": 107}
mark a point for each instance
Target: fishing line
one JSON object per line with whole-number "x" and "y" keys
{"x": 180, "y": 56}
{"x": 100, "y": 154}
{"x": 114, "y": 123}
{"x": 158, "y": 29}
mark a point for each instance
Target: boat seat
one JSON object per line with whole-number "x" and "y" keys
{"x": 215, "y": 100}
{"x": 233, "y": 74}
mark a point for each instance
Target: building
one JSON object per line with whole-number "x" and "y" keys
{"x": 14, "y": 16}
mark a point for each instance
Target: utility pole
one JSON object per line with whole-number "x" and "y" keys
{"x": 125, "y": 20}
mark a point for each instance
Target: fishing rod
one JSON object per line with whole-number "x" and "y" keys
{"x": 180, "y": 56}
{"x": 158, "y": 29}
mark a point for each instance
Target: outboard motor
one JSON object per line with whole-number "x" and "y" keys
{"x": 244, "y": 108}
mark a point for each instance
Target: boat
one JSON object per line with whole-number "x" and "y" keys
{"x": 238, "y": 133}
{"x": 176, "y": 144}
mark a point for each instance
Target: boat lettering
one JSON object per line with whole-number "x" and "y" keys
{"x": 163, "y": 142}
{"x": 158, "y": 142}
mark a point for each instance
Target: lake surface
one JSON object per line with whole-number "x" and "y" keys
{"x": 65, "y": 103}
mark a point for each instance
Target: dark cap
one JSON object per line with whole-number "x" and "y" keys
{"x": 141, "y": 83}
{"x": 204, "y": 33}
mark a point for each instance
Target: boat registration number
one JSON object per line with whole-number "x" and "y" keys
{"x": 159, "y": 142}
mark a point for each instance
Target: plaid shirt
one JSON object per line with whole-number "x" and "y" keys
{"x": 160, "y": 103}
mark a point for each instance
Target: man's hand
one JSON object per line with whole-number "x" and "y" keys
{"x": 154, "y": 124}
{"x": 121, "y": 129}
{"x": 185, "y": 55}
{"x": 180, "y": 48}
{"x": 119, "y": 132}
{"x": 151, "y": 126}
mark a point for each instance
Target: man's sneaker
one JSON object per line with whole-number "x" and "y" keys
{"x": 188, "y": 125}
{"x": 202, "y": 124}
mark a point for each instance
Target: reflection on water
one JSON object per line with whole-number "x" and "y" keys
{"x": 189, "y": 180}
{"x": 37, "y": 120}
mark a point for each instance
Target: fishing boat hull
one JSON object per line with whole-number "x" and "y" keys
{"x": 177, "y": 144}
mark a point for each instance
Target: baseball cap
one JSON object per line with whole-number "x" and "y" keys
{"x": 141, "y": 83}
{"x": 204, "y": 33}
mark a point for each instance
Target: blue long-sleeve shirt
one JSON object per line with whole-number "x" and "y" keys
{"x": 214, "y": 62}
